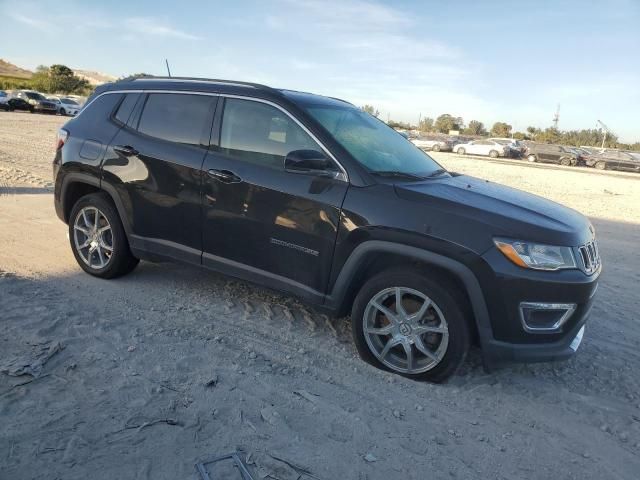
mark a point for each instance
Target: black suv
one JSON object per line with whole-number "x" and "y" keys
{"x": 312, "y": 196}
{"x": 544, "y": 153}
{"x": 38, "y": 102}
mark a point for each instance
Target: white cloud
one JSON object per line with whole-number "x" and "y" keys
{"x": 155, "y": 27}
{"x": 31, "y": 21}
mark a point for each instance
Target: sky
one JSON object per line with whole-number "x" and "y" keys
{"x": 489, "y": 61}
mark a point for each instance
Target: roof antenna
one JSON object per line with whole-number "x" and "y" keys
{"x": 168, "y": 71}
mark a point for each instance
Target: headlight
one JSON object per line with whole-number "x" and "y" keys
{"x": 535, "y": 255}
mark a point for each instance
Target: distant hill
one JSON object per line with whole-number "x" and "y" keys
{"x": 94, "y": 78}
{"x": 10, "y": 70}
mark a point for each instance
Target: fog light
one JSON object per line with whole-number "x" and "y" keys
{"x": 545, "y": 317}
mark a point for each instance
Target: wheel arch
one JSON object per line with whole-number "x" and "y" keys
{"x": 373, "y": 256}
{"x": 77, "y": 185}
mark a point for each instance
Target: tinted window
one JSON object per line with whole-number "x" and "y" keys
{"x": 176, "y": 117}
{"x": 125, "y": 108}
{"x": 260, "y": 133}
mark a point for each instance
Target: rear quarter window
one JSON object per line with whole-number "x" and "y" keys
{"x": 126, "y": 107}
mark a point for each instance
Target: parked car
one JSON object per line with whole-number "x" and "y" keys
{"x": 16, "y": 103}
{"x": 65, "y": 106}
{"x": 614, "y": 160}
{"x": 433, "y": 143}
{"x": 38, "y": 101}
{"x": 4, "y": 100}
{"x": 483, "y": 147}
{"x": 310, "y": 195}
{"x": 516, "y": 148}
{"x": 545, "y": 153}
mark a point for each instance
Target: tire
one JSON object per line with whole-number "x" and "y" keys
{"x": 601, "y": 165}
{"x": 493, "y": 154}
{"x": 461, "y": 151}
{"x": 94, "y": 257}
{"x": 63, "y": 111}
{"x": 532, "y": 158}
{"x": 448, "y": 347}
{"x": 566, "y": 162}
{"x": 436, "y": 148}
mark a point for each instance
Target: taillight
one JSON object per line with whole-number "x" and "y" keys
{"x": 62, "y": 137}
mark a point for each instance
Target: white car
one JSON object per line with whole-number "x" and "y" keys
{"x": 483, "y": 147}
{"x": 66, "y": 106}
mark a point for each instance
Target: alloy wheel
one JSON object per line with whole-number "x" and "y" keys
{"x": 93, "y": 238}
{"x": 405, "y": 330}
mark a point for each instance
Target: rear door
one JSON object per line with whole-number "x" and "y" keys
{"x": 155, "y": 163}
{"x": 260, "y": 221}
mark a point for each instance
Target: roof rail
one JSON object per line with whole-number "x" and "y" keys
{"x": 204, "y": 80}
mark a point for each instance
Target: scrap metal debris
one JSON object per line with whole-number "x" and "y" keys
{"x": 235, "y": 456}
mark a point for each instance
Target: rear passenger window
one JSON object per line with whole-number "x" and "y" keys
{"x": 126, "y": 107}
{"x": 261, "y": 134}
{"x": 176, "y": 117}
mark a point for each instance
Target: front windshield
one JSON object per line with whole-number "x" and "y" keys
{"x": 68, "y": 101}
{"x": 371, "y": 142}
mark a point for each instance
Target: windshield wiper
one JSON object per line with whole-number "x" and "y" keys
{"x": 396, "y": 173}
{"x": 436, "y": 173}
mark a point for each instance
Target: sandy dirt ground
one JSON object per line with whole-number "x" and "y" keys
{"x": 143, "y": 376}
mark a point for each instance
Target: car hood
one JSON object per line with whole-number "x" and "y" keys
{"x": 495, "y": 209}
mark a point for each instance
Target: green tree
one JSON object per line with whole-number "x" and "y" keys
{"x": 426, "y": 124}
{"x": 501, "y": 129}
{"x": 445, "y": 122}
{"x": 532, "y": 132}
{"x": 371, "y": 110}
{"x": 520, "y": 136}
{"x": 58, "y": 79}
{"x": 475, "y": 127}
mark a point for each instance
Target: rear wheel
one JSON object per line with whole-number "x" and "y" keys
{"x": 97, "y": 237}
{"x": 436, "y": 148}
{"x": 461, "y": 151}
{"x": 565, "y": 161}
{"x": 601, "y": 165}
{"x": 493, "y": 154}
{"x": 409, "y": 324}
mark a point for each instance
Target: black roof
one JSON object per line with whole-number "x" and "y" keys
{"x": 230, "y": 87}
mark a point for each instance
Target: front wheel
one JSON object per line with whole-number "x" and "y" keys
{"x": 461, "y": 151}
{"x": 601, "y": 166}
{"x": 63, "y": 111}
{"x": 98, "y": 239}
{"x": 493, "y": 154}
{"x": 566, "y": 162}
{"x": 532, "y": 158}
{"x": 409, "y": 324}
{"x": 436, "y": 148}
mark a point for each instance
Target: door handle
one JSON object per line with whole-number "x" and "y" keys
{"x": 224, "y": 176}
{"x": 126, "y": 150}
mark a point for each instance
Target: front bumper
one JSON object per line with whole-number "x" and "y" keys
{"x": 509, "y": 339}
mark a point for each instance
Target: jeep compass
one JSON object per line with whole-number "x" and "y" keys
{"x": 312, "y": 196}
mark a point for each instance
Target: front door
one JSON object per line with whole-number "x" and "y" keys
{"x": 260, "y": 221}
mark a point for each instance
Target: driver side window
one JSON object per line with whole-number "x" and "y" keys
{"x": 259, "y": 133}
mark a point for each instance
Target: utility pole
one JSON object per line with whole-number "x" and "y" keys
{"x": 168, "y": 71}
{"x": 556, "y": 117}
{"x": 606, "y": 130}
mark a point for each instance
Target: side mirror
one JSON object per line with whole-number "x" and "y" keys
{"x": 309, "y": 162}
